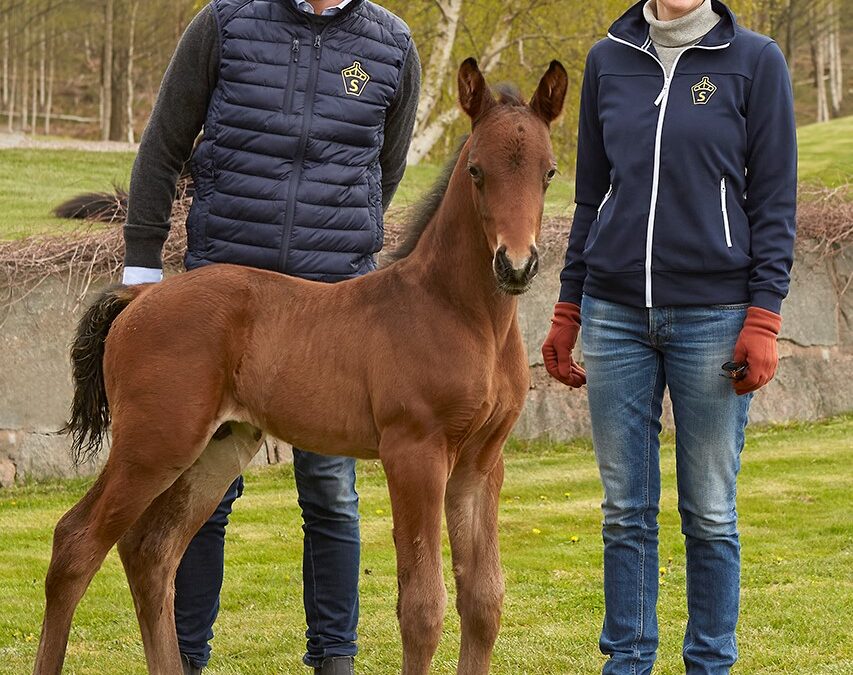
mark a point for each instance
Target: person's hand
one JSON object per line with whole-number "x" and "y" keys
{"x": 756, "y": 346}
{"x": 133, "y": 276}
{"x": 557, "y": 348}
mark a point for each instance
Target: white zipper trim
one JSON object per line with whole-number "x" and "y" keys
{"x": 604, "y": 201}
{"x": 661, "y": 100}
{"x": 725, "y": 210}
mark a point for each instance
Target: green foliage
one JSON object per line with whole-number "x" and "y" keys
{"x": 795, "y": 531}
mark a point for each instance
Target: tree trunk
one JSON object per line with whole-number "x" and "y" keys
{"x": 436, "y": 69}
{"x": 6, "y": 58}
{"x": 431, "y": 133}
{"x": 25, "y": 85}
{"x": 48, "y": 108}
{"x": 107, "y": 71}
{"x": 134, "y": 6}
{"x": 836, "y": 78}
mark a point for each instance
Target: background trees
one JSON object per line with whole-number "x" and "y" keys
{"x": 92, "y": 69}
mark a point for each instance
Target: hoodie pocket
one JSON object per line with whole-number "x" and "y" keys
{"x": 604, "y": 201}
{"x": 725, "y": 210}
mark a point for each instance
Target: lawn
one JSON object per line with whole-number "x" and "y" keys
{"x": 797, "y": 586}
{"x": 34, "y": 181}
{"x": 826, "y": 152}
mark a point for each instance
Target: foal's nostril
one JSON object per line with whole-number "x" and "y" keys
{"x": 520, "y": 276}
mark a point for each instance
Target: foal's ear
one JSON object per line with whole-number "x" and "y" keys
{"x": 548, "y": 100}
{"x": 475, "y": 97}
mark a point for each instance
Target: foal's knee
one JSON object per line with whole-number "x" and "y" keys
{"x": 479, "y": 606}
{"x": 420, "y": 610}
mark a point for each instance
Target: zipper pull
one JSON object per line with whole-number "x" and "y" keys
{"x": 295, "y": 49}
{"x": 317, "y": 45}
{"x": 663, "y": 91}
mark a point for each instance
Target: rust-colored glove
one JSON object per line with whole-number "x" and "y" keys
{"x": 756, "y": 346}
{"x": 557, "y": 348}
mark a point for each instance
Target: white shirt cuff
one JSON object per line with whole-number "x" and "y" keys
{"x": 141, "y": 275}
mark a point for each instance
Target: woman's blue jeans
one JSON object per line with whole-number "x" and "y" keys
{"x": 630, "y": 355}
{"x": 330, "y": 564}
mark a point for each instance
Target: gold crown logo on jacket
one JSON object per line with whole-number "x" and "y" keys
{"x": 355, "y": 79}
{"x": 703, "y": 90}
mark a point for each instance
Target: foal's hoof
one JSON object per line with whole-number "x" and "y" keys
{"x": 337, "y": 665}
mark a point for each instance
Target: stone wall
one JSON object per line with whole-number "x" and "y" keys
{"x": 815, "y": 377}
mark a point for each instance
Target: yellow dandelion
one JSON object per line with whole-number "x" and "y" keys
{"x": 536, "y": 530}
{"x": 567, "y": 494}
{"x": 662, "y": 570}
{"x": 574, "y": 539}
{"x": 379, "y": 512}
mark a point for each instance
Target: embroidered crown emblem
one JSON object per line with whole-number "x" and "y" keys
{"x": 703, "y": 90}
{"x": 355, "y": 79}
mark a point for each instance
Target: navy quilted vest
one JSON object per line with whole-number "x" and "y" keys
{"x": 287, "y": 176}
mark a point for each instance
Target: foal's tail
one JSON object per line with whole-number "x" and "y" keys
{"x": 90, "y": 410}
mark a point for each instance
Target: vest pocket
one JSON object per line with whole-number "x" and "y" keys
{"x": 725, "y": 209}
{"x": 374, "y": 206}
{"x": 291, "y": 75}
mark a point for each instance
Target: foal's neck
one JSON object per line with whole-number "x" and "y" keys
{"x": 453, "y": 258}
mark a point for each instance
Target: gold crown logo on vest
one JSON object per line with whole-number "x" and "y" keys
{"x": 703, "y": 90}
{"x": 355, "y": 79}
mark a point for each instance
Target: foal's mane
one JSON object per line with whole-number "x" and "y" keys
{"x": 425, "y": 208}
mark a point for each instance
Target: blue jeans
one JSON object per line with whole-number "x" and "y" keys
{"x": 630, "y": 355}
{"x": 330, "y": 566}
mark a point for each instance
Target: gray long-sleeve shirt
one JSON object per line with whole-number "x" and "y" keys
{"x": 178, "y": 117}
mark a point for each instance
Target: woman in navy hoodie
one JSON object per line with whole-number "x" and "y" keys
{"x": 678, "y": 261}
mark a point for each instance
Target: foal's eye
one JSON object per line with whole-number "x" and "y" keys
{"x": 550, "y": 175}
{"x": 475, "y": 172}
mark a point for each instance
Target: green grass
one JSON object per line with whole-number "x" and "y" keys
{"x": 797, "y": 587}
{"x": 34, "y": 181}
{"x": 826, "y": 152}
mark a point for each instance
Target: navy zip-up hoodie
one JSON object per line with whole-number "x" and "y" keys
{"x": 685, "y": 185}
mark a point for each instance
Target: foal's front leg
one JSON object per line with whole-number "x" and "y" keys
{"x": 417, "y": 475}
{"x": 472, "y": 499}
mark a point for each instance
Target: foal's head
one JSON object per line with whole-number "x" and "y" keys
{"x": 511, "y": 164}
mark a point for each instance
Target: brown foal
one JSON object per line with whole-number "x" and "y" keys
{"x": 420, "y": 364}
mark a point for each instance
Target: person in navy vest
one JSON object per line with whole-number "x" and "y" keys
{"x": 678, "y": 260}
{"x": 307, "y": 108}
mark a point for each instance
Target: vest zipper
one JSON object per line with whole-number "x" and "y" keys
{"x": 661, "y": 100}
{"x": 291, "y": 75}
{"x": 725, "y": 209}
{"x": 299, "y": 158}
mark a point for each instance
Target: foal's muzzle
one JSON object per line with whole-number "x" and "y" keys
{"x": 514, "y": 276}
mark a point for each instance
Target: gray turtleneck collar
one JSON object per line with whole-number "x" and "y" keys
{"x": 670, "y": 38}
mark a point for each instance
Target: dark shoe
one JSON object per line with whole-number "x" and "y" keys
{"x": 337, "y": 665}
{"x": 189, "y": 667}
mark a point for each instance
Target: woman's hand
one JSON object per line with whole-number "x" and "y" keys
{"x": 557, "y": 348}
{"x": 756, "y": 346}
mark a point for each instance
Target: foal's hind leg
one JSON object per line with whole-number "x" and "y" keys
{"x": 471, "y": 504}
{"x": 152, "y": 549}
{"x": 416, "y": 481}
{"x": 86, "y": 533}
